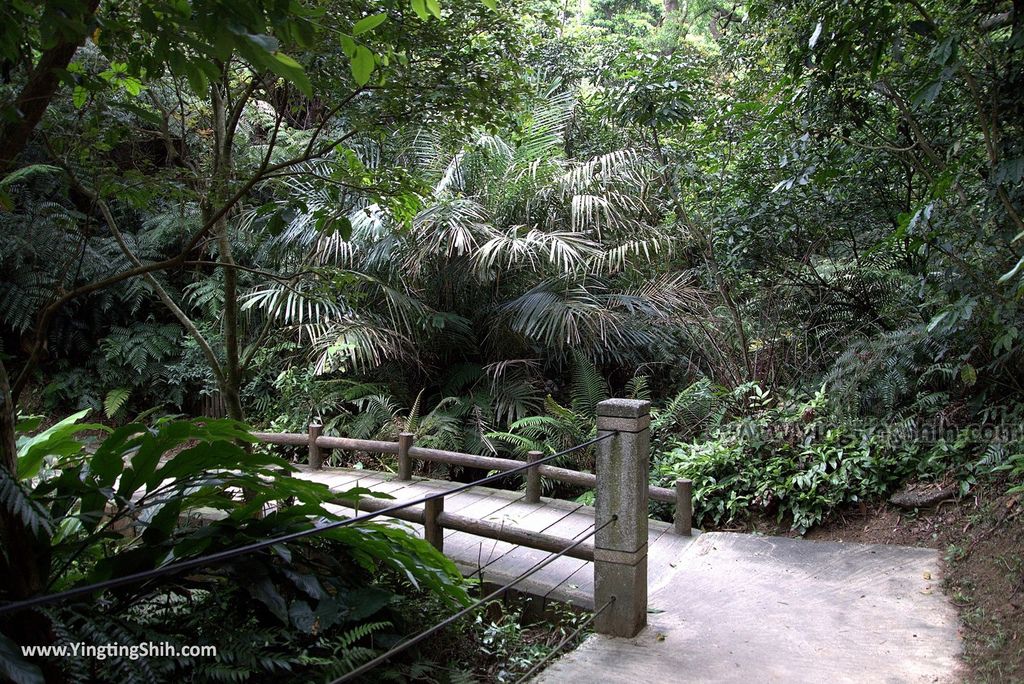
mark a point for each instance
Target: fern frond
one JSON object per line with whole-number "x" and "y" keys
{"x": 19, "y": 503}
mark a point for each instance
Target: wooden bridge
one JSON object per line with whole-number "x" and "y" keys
{"x": 499, "y": 536}
{"x": 502, "y": 514}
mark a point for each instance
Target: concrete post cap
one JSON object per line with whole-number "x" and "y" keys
{"x": 624, "y": 408}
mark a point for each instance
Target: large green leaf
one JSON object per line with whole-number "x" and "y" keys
{"x": 362, "y": 65}
{"x": 57, "y": 440}
{"x": 367, "y": 24}
{"x": 14, "y": 667}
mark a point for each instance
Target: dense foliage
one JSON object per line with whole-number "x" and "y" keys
{"x": 794, "y": 226}
{"x": 145, "y": 498}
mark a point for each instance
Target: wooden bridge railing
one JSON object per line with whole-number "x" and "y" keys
{"x": 620, "y": 532}
{"x": 680, "y": 497}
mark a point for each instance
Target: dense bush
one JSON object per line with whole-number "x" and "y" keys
{"x": 798, "y": 460}
{"x": 148, "y": 497}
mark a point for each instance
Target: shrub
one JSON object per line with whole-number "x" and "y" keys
{"x": 310, "y": 607}
{"x": 795, "y": 460}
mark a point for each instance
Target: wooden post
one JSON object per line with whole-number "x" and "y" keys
{"x": 533, "y": 478}
{"x": 620, "y": 545}
{"x": 404, "y": 462}
{"x": 684, "y": 507}
{"x": 432, "y": 530}
{"x": 316, "y": 456}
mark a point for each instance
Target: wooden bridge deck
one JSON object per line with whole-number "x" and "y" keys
{"x": 566, "y": 579}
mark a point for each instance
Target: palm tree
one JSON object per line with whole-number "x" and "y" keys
{"x": 517, "y": 259}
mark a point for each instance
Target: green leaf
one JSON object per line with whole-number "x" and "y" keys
{"x": 26, "y": 172}
{"x": 57, "y": 440}
{"x": 927, "y": 94}
{"x": 196, "y": 78}
{"x": 968, "y": 374}
{"x": 163, "y": 523}
{"x": 266, "y": 593}
{"x": 435, "y": 8}
{"x": 348, "y": 46}
{"x": 490, "y": 4}
{"x": 302, "y": 617}
{"x": 132, "y": 86}
{"x": 276, "y": 224}
{"x": 369, "y": 23}
{"x": 79, "y": 96}
{"x": 365, "y": 601}
{"x": 115, "y": 401}
{"x": 343, "y": 227}
{"x": 290, "y": 70}
{"x": 362, "y": 65}
{"x": 420, "y": 8}
{"x": 946, "y": 50}
{"x": 1009, "y": 171}
{"x": 14, "y": 667}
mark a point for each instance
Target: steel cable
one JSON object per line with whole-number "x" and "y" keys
{"x": 369, "y": 665}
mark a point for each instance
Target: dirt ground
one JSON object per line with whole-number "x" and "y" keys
{"x": 981, "y": 539}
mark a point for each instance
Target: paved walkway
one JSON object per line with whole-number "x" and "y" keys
{"x": 723, "y": 607}
{"x": 741, "y": 608}
{"x": 567, "y": 580}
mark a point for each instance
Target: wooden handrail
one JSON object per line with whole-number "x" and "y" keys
{"x": 481, "y": 528}
{"x": 565, "y": 475}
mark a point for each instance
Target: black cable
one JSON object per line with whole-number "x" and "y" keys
{"x": 366, "y": 667}
{"x": 227, "y": 554}
{"x": 561, "y": 644}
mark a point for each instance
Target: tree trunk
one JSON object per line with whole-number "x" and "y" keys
{"x": 35, "y": 96}
{"x": 25, "y": 560}
{"x": 223, "y": 168}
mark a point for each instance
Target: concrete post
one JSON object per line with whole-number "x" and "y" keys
{"x": 533, "y": 478}
{"x": 316, "y": 456}
{"x": 684, "y": 508}
{"x": 432, "y": 530}
{"x": 620, "y": 548}
{"x": 404, "y": 461}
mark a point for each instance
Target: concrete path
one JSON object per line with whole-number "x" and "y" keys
{"x": 742, "y": 608}
{"x": 566, "y": 580}
{"x": 723, "y": 607}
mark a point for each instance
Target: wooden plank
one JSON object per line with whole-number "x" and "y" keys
{"x": 536, "y": 517}
{"x": 336, "y": 478}
{"x": 481, "y": 502}
{"x": 472, "y": 553}
{"x": 522, "y": 560}
{"x": 556, "y": 581}
{"x": 489, "y": 504}
{"x": 533, "y": 517}
{"x": 467, "y": 460}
